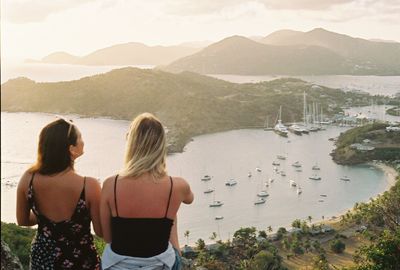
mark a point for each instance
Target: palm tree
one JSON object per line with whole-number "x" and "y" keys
{"x": 186, "y": 234}
{"x": 269, "y": 229}
{"x": 309, "y": 219}
{"x": 213, "y": 236}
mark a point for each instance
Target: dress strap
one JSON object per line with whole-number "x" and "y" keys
{"x": 83, "y": 189}
{"x": 31, "y": 182}
{"x": 115, "y": 194}
{"x": 170, "y": 193}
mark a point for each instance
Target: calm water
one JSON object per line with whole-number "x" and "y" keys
{"x": 223, "y": 155}
{"x": 382, "y": 85}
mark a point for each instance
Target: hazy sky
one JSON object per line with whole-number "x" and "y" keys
{"x": 35, "y": 28}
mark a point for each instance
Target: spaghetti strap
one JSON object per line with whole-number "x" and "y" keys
{"x": 84, "y": 185}
{"x": 31, "y": 182}
{"x": 115, "y": 194}
{"x": 169, "y": 199}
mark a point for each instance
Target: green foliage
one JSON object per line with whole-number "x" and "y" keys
{"x": 265, "y": 260}
{"x": 383, "y": 254}
{"x": 281, "y": 231}
{"x": 337, "y": 246}
{"x": 320, "y": 262}
{"x": 296, "y": 223}
{"x": 100, "y": 244}
{"x": 19, "y": 240}
{"x": 200, "y": 244}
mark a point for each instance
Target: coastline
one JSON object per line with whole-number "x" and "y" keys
{"x": 391, "y": 175}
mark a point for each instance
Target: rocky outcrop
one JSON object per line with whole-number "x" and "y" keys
{"x": 8, "y": 260}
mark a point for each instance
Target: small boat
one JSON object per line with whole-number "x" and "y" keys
{"x": 323, "y": 195}
{"x": 209, "y": 190}
{"x": 316, "y": 167}
{"x": 271, "y": 180}
{"x": 259, "y": 201}
{"x": 206, "y": 178}
{"x": 276, "y": 163}
{"x": 280, "y": 157}
{"x": 299, "y": 191}
{"x": 216, "y": 204}
{"x": 266, "y": 184}
{"x": 283, "y": 173}
{"x": 315, "y": 177}
{"x": 320, "y": 200}
{"x": 345, "y": 178}
{"x": 299, "y": 170}
{"x": 293, "y": 183}
{"x": 230, "y": 182}
{"x": 296, "y": 164}
{"x": 249, "y": 175}
{"x": 258, "y": 169}
{"x": 295, "y": 129}
{"x": 262, "y": 193}
{"x": 219, "y": 217}
{"x": 275, "y": 169}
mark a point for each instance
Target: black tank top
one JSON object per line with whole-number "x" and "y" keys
{"x": 140, "y": 237}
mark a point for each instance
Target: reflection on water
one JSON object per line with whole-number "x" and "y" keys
{"x": 225, "y": 155}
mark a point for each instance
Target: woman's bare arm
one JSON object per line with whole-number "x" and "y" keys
{"x": 25, "y": 217}
{"x": 93, "y": 196}
{"x": 105, "y": 210}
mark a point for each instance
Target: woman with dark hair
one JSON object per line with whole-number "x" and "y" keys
{"x": 61, "y": 202}
{"x": 139, "y": 206}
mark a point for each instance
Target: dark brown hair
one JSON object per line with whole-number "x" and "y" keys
{"x": 53, "y": 149}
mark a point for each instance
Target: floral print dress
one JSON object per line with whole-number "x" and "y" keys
{"x": 63, "y": 245}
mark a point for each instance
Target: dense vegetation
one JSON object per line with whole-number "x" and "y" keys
{"x": 381, "y": 220}
{"x": 395, "y": 111}
{"x": 188, "y": 104}
{"x": 386, "y": 144}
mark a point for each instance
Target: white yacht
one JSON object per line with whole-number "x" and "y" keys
{"x": 283, "y": 173}
{"x": 315, "y": 177}
{"x": 218, "y": 217}
{"x": 293, "y": 183}
{"x": 258, "y": 169}
{"x": 249, "y": 175}
{"x": 209, "y": 190}
{"x": 259, "y": 201}
{"x": 276, "y": 163}
{"x": 230, "y": 182}
{"x": 296, "y": 164}
{"x": 295, "y": 129}
{"x": 345, "y": 178}
{"x": 271, "y": 180}
{"x": 206, "y": 178}
{"x": 279, "y": 127}
{"x": 316, "y": 167}
{"x": 262, "y": 193}
{"x": 299, "y": 170}
{"x": 281, "y": 157}
{"x": 299, "y": 191}
{"x": 216, "y": 204}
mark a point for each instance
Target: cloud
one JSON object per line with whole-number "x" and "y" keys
{"x": 26, "y": 11}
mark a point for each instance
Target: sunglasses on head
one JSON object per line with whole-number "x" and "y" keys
{"x": 70, "y": 123}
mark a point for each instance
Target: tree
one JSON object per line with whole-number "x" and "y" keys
{"x": 320, "y": 262}
{"x": 200, "y": 244}
{"x": 186, "y": 234}
{"x": 213, "y": 236}
{"x": 265, "y": 260}
{"x": 269, "y": 229}
{"x": 262, "y": 234}
{"x": 337, "y": 246}
{"x": 296, "y": 223}
{"x": 309, "y": 219}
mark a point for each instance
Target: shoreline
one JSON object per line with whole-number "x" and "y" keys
{"x": 390, "y": 174}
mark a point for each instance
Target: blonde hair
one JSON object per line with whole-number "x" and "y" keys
{"x": 145, "y": 147}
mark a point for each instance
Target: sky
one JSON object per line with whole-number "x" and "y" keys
{"x": 36, "y": 28}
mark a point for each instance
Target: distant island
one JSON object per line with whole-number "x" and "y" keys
{"x": 189, "y": 104}
{"x": 132, "y": 53}
{"x": 367, "y": 143}
{"x": 287, "y": 52}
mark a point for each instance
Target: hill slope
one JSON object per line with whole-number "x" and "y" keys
{"x": 124, "y": 54}
{"x": 189, "y": 104}
{"x": 288, "y": 52}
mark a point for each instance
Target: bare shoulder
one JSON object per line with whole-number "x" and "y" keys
{"x": 25, "y": 180}
{"x": 92, "y": 182}
{"x": 109, "y": 183}
{"x": 180, "y": 182}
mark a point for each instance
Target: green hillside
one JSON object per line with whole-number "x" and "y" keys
{"x": 189, "y": 104}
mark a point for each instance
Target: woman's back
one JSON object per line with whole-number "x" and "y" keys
{"x": 63, "y": 239}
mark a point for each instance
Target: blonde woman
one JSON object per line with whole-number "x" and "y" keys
{"x": 139, "y": 207}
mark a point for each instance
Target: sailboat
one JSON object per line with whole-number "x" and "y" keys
{"x": 259, "y": 201}
{"x": 345, "y": 178}
{"x": 295, "y": 129}
{"x": 215, "y": 203}
{"x": 206, "y": 178}
{"x": 293, "y": 183}
{"x": 231, "y": 182}
{"x": 299, "y": 191}
{"x": 315, "y": 177}
{"x": 279, "y": 127}
{"x": 316, "y": 167}
{"x": 296, "y": 164}
{"x": 281, "y": 157}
